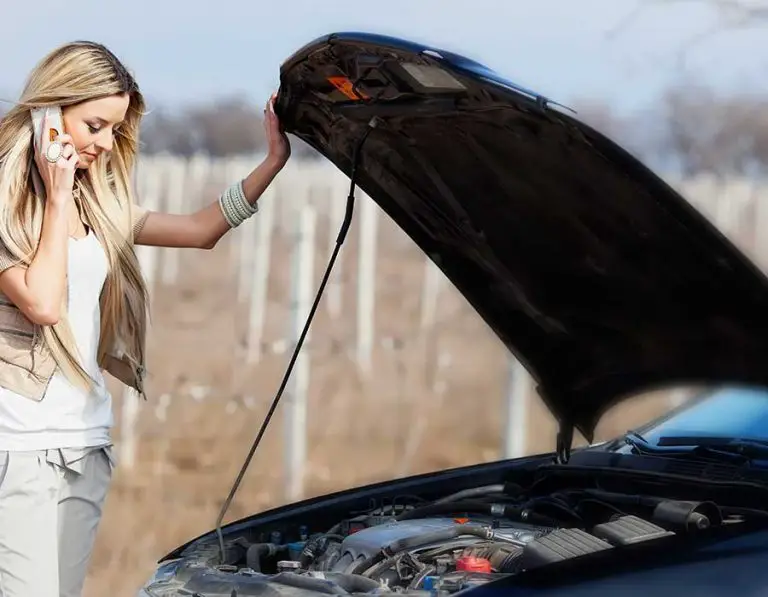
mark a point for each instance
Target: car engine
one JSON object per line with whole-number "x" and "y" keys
{"x": 451, "y": 554}
{"x": 424, "y": 553}
{"x": 443, "y": 546}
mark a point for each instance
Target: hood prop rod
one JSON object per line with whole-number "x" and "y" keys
{"x": 339, "y": 241}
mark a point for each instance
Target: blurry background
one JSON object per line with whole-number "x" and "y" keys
{"x": 399, "y": 375}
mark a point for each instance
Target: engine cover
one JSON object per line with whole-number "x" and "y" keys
{"x": 368, "y": 542}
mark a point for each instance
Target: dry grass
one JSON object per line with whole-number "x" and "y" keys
{"x": 362, "y": 428}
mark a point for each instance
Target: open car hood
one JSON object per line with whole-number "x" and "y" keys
{"x": 599, "y": 277}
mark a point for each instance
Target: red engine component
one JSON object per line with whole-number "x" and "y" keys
{"x": 473, "y": 564}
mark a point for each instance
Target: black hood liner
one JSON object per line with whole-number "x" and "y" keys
{"x": 594, "y": 272}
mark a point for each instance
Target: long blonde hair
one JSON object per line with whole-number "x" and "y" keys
{"x": 71, "y": 74}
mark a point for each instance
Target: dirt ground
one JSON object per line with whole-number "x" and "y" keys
{"x": 408, "y": 415}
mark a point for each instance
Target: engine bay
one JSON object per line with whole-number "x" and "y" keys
{"x": 454, "y": 544}
{"x": 445, "y": 545}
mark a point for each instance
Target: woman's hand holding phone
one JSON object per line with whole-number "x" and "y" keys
{"x": 59, "y": 176}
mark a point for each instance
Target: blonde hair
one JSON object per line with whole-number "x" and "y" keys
{"x": 69, "y": 75}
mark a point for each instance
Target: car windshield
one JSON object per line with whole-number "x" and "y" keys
{"x": 728, "y": 413}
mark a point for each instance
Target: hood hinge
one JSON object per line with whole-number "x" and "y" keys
{"x": 564, "y": 443}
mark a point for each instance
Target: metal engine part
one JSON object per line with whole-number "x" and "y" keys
{"x": 368, "y": 542}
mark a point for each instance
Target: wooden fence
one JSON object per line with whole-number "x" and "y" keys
{"x": 384, "y": 298}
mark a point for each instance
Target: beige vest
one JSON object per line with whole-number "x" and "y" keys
{"x": 26, "y": 365}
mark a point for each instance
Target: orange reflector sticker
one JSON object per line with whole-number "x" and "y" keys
{"x": 461, "y": 520}
{"x": 344, "y": 85}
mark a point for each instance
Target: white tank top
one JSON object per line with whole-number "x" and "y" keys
{"x": 67, "y": 417}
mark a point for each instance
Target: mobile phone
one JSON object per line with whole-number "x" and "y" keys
{"x": 55, "y": 127}
{"x": 55, "y": 124}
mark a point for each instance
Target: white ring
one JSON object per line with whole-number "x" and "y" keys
{"x": 54, "y": 152}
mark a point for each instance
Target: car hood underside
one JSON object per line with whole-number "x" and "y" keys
{"x": 593, "y": 271}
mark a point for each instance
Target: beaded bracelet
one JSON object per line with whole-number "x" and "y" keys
{"x": 234, "y": 206}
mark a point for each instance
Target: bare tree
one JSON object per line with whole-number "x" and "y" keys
{"x": 693, "y": 127}
{"x": 161, "y": 132}
{"x": 227, "y": 126}
{"x": 739, "y": 12}
{"x": 728, "y": 15}
{"x": 706, "y": 132}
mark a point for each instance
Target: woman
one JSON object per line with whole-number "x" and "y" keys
{"x": 73, "y": 303}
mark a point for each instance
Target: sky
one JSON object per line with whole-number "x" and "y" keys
{"x": 569, "y": 50}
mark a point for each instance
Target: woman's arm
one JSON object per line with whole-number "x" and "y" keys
{"x": 204, "y": 228}
{"x": 38, "y": 290}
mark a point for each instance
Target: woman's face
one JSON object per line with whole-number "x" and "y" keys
{"x": 92, "y": 125}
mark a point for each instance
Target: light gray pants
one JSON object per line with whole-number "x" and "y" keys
{"x": 50, "y": 507}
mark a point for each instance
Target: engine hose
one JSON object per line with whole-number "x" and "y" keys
{"x": 759, "y": 514}
{"x": 483, "y": 532}
{"x": 309, "y": 583}
{"x": 500, "y": 555}
{"x": 474, "y": 506}
{"x": 477, "y": 507}
{"x": 365, "y": 564}
{"x": 641, "y": 501}
{"x": 447, "y": 547}
{"x": 554, "y": 503}
{"x": 419, "y": 578}
{"x": 407, "y": 543}
{"x": 309, "y": 553}
{"x": 315, "y": 547}
{"x": 512, "y": 563}
{"x": 470, "y": 493}
{"x": 380, "y": 566}
{"x": 354, "y": 584}
{"x": 257, "y": 551}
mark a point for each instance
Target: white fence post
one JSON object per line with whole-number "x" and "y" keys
{"x": 677, "y": 397}
{"x": 147, "y": 257}
{"x": 515, "y": 439}
{"x": 260, "y": 275}
{"x": 430, "y": 291}
{"x": 199, "y": 174}
{"x": 161, "y": 414}
{"x": 760, "y": 248}
{"x": 129, "y": 416}
{"x": 247, "y": 238}
{"x": 338, "y": 204}
{"x": 366, "y": 281}
{"x": 175, "y": 199}
{"x": 296, "y": 412}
